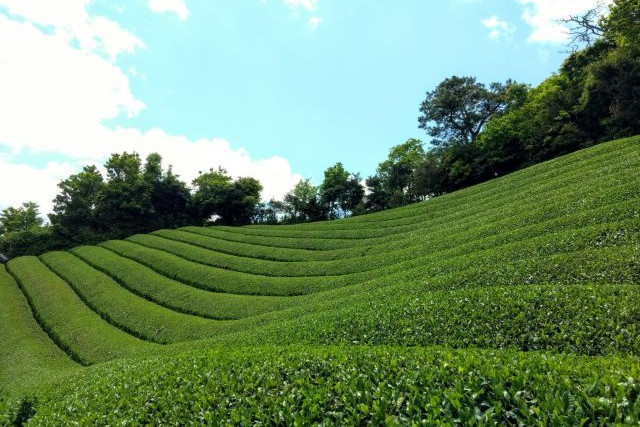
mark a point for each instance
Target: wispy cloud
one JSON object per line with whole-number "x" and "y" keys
{"x": 309, "y": 5}
{"x": 498, "y": 28}
{"x": 314, "y": 22}
{"x": 544, "y": 17}
{"x": 178, "y": 7}
{"x": 71, "y": 20}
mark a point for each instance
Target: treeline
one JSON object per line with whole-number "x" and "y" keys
{"x": 477, "y": 132}
{"x": 132, "y": 198}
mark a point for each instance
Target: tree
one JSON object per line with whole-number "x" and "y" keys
{"x": 170, "y": 197}
{"x": 23, "y": 218}
{"x": 242, "y": 198}
{"x": 610, "y": 100}
{"x": 125, "y": 203}
{"x": 352, "y": 200}
{"x": 397, "y": 172}
{"x": 22, "y": 232}
{"x": 341, "y": 193}
{"x": 622, "y": 25}
{"x": 219, "y": 198}
{"x": 459, "y": 108}
{"x": 268, "y": 213}
{"x": 210, "y": 193}
{"x": 333, "y": 188}
{"x": 586, "y": 28}
{"x": 376, "y": 196}
{"x": 302, "y": 204}
{"x": 430, "y": 175}
{"x": 75, "y": 207}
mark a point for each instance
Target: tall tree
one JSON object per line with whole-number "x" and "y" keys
{"x": 125, "y": 203}
{"x": 457, "y": 110}
{"x": 23, "y": 218}
{"x": 75, "y": 207}
{"x": 210, "y": 193}
{"x": 218, "y": 198}
{"x": 302, "y": 203}
{"x": 352, "y": 200}
{"x": 333, "y": 190}
{"x": 341, "y": 192}
{"x": 376, "y": 196}
{"x": 242, "y": 198}
{"x": 397, "y": 171}
{"x": 170, "y": 197}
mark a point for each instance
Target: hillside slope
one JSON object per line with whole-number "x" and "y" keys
{"x": 514, "y": 301}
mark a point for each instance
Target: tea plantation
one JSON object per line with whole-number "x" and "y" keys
{"x": 514, "y": 302}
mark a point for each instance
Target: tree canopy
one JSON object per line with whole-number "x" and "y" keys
{"x": 457, "y": 110}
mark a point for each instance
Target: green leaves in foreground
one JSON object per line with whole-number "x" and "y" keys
{"x": 352, "y": 385}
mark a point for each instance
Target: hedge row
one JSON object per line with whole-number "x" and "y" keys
{"x": 74, "y": 327}
{"x": 27, "y": 354}
{"x": 134, "y": 314}
{"x": 177, "y": 296}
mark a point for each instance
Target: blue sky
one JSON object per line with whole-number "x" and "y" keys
{"x": 278, "y": 89}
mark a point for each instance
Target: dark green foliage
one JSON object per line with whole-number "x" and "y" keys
{"x": 456, "y": 111}
{"x": 170, "y": 197}
{"x": 22, "y": 232}
{"x": 33, "y": 241}
{"x": 23, "y": 218}
{"x": 621, "y": 25}
{"x": 218, "y": 198}
{"x": 125, "y": 201}
{"x": 75, "y": 208}
{"x": 397, "y": 173}
{"x": 303, "y": 204}
{"x": 341, "y": 192}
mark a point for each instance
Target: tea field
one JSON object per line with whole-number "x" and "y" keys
{"x": 514, "y": 302}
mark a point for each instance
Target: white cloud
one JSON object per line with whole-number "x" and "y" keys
{"x": 70, "y": 20}
{"x": 544, "y": 16}
{"x": 56, "y": 98}
{"x": 178, "y": 7}
{"x": 309, "y": 5}
{"x": 23, "y": 183}
{"x": 499, "y": 28}
{"x": 314, "y": 22}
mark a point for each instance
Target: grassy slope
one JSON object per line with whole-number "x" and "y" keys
{"x": 546, "y": 259}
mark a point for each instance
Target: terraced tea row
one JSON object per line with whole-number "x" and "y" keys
{"x": 73, "y": 326}
{"x": 478, "y": 238}
{"x": 547, "y": 259}
{"x": 127, "y": 311}
{"x": 27, "y": 354}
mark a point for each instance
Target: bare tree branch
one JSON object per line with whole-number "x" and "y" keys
{"x": 584, "y": 29}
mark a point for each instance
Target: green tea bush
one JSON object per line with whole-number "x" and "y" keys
{"x": 353, "y": 386}
{"x": 175, "y": 295}
{"x": 74, "y": 327}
